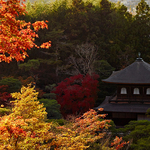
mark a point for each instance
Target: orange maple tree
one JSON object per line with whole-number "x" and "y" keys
{"x": 84, "y": 131}
{"x": 16, "y": 36}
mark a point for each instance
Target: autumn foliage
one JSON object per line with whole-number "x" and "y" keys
{"x": 16, "y": 36}
{"x": 5, "y": 97}
{"x": 25, "y": 127}
{"x": 82, "y": 131}
{"x": 11, "y": 132}
{"x": 118, "y": 143}
{"x": 34, "y": 114}
{"x": 77, "y": 94}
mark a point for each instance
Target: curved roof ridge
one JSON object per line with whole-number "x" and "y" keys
{"x": 147, "y": 65}
{"x": 136, "y": 73}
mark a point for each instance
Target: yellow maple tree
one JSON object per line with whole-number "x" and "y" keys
{"x": 25, "y": 128}
{"x": 34, "y": 114}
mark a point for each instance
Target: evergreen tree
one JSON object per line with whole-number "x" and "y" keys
{"x": 139, "y": 32}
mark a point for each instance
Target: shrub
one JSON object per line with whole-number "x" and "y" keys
{"x": 14, "y": 85}
{"x": 4, "y": 111}
{"x": 52, "y": 108}
{"x": 61, "y": 122}
{"x": 5, "y": 97}
{"x": 77, "y": 94}
{"x": 138, "y": 133}
{"x": 49, "y": 95}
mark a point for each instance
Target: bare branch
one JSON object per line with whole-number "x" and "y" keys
{"x": 84, "y": 57}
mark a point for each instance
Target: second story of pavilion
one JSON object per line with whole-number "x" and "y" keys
{"x": 133, "y": 83}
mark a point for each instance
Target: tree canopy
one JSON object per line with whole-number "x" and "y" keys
{"x": 16, "y": 36}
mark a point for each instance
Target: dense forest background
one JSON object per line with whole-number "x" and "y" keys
{"x": 131, "y": 4}
{"x": 86, "y": 38}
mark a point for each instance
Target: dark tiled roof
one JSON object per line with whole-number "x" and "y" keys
{"x": 136, "y": 73}
{"x": 118, "y": 107}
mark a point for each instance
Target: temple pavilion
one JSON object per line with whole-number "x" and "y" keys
{"x": 132, "y": 97}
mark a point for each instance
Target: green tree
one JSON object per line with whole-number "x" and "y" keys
{"x": 115, "y": 29}
{"x": 104, "y": 70}
{"x": 142, "y": 10}
{"x": 30, "y": 67}
{"x": 139, "y": 37}
{"x": 76, "y": 27}
{"x": 32, "y": 64}
{"x": 105, "y": 6}
{"x": 106, "y": 26}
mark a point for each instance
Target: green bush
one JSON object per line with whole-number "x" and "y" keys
{"x": 139, "y": 133}
{"x": 61, "y": 122}
{"x": 50, "y": 87}
{"x": 14, "y": 85}
{"x": 49, "y": 95}
{"x": 4, "y": 111}
{"x": 52, "y": 108}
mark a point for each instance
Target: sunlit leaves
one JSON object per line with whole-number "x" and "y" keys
{"x": 11, "y": 133}
{"x": 33, "y": 114}
{"x": 118, "y": 144}
{"x": 25, "y": 127}
{"x": 16, "y": 36}
{"x": 26, "y": 104}
{"x": 83, "y": 131}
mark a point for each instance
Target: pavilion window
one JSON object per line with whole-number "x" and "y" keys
{"x": 123, "y": 91}
{"x": 136, "y": 91}
{"x": 148, "y": 91}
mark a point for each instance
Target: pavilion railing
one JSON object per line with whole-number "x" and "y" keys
{"x": 129, "y": 101}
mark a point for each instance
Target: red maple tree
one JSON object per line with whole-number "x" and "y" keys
{"x": 16, "y": 36}
{"x": 77, "y": 94}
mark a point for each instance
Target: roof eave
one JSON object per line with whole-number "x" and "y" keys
{"x": 124, "y": 83}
